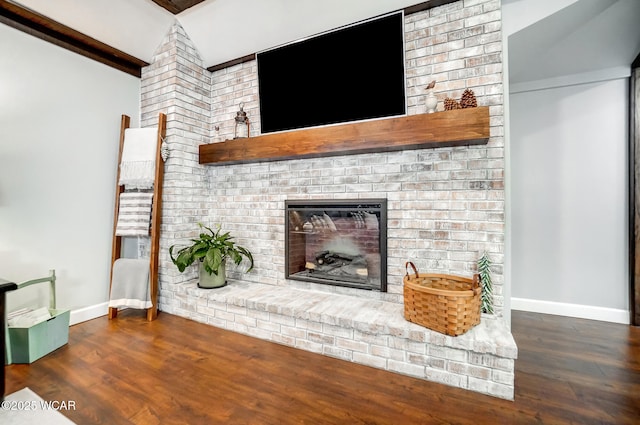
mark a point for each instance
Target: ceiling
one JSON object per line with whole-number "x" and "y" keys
{"x": 221, "y": 30}
{"x": 577, "y": 36}
{"x": 580, "y": 37}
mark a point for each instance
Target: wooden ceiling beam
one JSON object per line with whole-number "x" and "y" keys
{"x": 54, "y": 32}
{"x": 177, "y": 6}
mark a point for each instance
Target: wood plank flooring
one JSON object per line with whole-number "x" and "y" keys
{"x": 176, "y": 371}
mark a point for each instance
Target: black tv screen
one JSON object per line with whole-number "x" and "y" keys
{"x": 349, "y": 74}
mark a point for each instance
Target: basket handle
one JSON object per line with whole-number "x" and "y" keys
{"x": 413, "y": 266}
{"x": 476, "y": 281}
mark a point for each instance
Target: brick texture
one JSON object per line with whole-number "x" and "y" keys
{"x": 445, "y": 205}
{"x": 177, "y": 84}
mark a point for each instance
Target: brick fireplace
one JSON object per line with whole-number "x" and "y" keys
{"x": 445, "y": 206}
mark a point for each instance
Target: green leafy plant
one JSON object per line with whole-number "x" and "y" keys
{"x": 212, "y": 249}
{"x": 484, "y": 270}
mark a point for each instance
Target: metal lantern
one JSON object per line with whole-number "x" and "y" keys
{"x": 242, "y": 124}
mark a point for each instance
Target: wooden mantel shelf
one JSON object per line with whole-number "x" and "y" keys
{"x": 450, "y": 128}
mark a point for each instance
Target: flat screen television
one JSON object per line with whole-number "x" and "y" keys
{"x": 349, "y": 74}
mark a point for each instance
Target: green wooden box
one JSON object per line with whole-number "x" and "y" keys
{"x": 26, "y": 345}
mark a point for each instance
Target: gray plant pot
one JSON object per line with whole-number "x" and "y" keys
{"x": 210, "y": 281}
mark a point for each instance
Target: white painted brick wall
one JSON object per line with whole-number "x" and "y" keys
{"x": 176, "y": 84}
{"x": 446, "y": 205}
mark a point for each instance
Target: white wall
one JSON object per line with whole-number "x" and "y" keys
{"x": 519, "y": 14}
{"x": 566, "y": 141}
{"x": 59, "y": 131}
{"x": 569, "y": 200}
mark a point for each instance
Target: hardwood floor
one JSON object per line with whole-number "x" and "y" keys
{"x": 176, "y": 371}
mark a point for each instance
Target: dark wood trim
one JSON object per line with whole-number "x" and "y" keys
{"x": 426, "y": 6}
{"x": 177, "y": 6}
{"x": 636, "y": 62}
{"x": 634, "y": 196}
{"x": 441, "y": 129}
{"x": 407, "y": 11}
{"x": 166, "y": 4}
{"x": 227, "y": 64}
{"x": 5, "y": 286}
{"x": 54, "y": 32}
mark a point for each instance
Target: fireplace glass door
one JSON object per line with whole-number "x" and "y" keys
{"x": 337, "y": 242}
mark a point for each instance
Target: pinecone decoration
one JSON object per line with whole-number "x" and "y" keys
{"x": 451, "y": 104}
{"x": 468, "y": 99}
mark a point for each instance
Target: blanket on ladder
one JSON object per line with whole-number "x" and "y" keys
{"x": 130, "y": 283}
{"x": 134, "y": 214}
{"x": 138, "y": 164}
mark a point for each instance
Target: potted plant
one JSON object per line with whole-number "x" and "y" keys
{"x": 211, "y": 249}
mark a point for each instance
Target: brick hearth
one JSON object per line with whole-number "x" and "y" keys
{"x": 360, "y": 330}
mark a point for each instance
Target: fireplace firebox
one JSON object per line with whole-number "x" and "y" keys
{"x": 337, "y": 242}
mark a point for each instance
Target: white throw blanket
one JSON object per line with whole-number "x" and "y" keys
{"x": 138, "y": 164}
{"x": 134, "y": 214}
{"x": 130, "y": 283}
{"x": 29, "y": 318}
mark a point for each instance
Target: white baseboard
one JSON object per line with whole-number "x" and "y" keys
{"x": 572, "y": 310}
{"x": 87, "y": 313}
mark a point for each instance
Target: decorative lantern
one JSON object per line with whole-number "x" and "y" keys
{"x": 242, "y": 124}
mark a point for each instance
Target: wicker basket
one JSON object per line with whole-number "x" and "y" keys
{"x": 444, "y": 303}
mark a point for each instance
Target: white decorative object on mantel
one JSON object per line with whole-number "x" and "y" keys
{"x": 431, "y": 101}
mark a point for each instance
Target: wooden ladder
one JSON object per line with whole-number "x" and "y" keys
{"x": 156, "y": 217}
